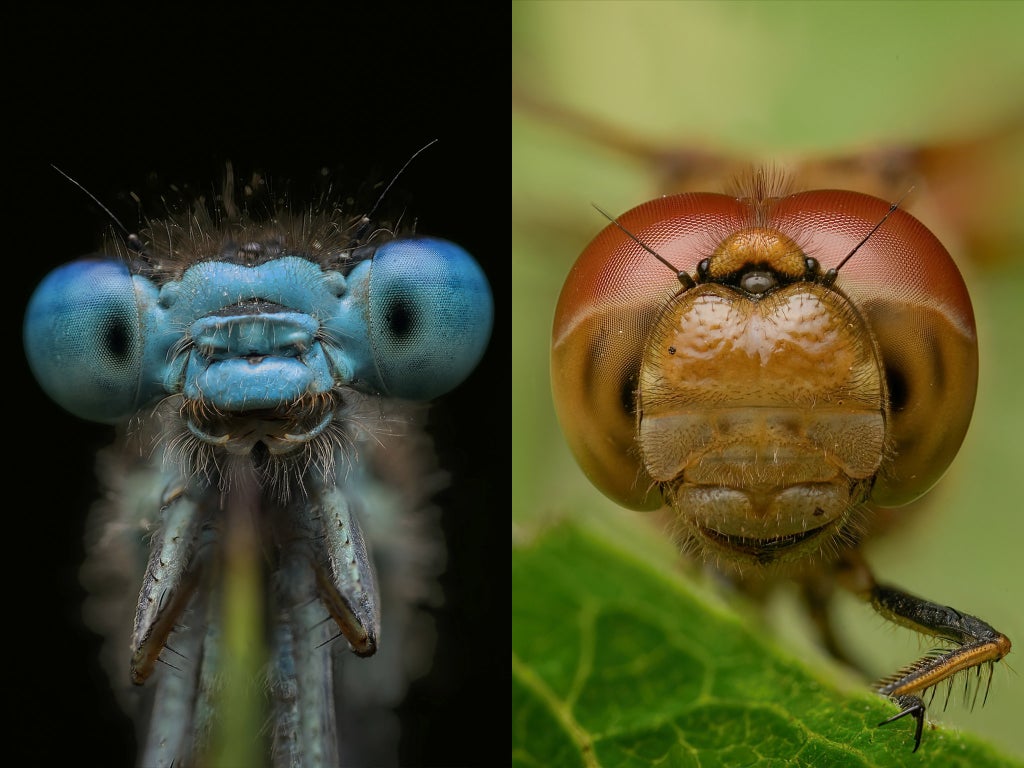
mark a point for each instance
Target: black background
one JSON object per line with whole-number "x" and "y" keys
{"x": 110, "y": 97}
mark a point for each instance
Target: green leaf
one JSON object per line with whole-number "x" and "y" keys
{"x": 619, "y": 662}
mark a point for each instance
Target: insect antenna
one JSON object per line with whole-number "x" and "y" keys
{"x": 682, "y": 276}
{"x": 93, "y": 197}
{"x": 132, "y": 240}
{"x": 830, "y": 275}
{"x": 367, "y": 219}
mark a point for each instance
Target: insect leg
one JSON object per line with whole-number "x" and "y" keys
{"x": 324, "y": 564}
{"x": 345, "y": 575}
{"x": 170, "y": 602}
{"x": 909, "y": 705}
{"x": 305, "y": 730}
{"x": 817, "y": 597}
{"x": 174, "y": 727}
{"x": 974, "y": 642}
{"x": 169, "y": 582}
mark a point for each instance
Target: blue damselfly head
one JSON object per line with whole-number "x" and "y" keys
{"x": 268, "y": 367}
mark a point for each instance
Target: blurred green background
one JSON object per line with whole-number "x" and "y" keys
{"x": 610, "y": 97}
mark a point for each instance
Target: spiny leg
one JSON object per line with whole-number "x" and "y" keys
{"x": 169, "y": 738}
{"x": 324, "y": 573}
{"x": 974, "y": 642}
{"x": 305, "y": 732}
{"x": 168, "y": 603}
{"x": 170, "y": 579}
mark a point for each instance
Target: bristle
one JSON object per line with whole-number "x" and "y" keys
{"x": 247, "y": 215}
{"x": 761, "y": 186}
{"x": 884, "y": 685}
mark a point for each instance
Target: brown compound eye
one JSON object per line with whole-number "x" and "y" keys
{"x": 613, "y": 296}
{"x": 900, "y": 297}
{"x": 914, "y": 300}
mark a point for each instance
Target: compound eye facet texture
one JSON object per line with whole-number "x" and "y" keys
{"x": 902, "y": 280}
{"x": 83, "y": 339}
{"x": 430, "y": 313}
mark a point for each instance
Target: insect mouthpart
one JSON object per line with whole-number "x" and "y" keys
{"x": 280, "y": 431}
{"x": 762, "y": 526}
{"x": 764, "y": 550}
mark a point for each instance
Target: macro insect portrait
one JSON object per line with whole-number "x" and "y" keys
{"x": 771, "y": 366}
{"x": 266, "y": 365}
{"x": 704, "y": 572}
{"x": 357, "y": 182}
